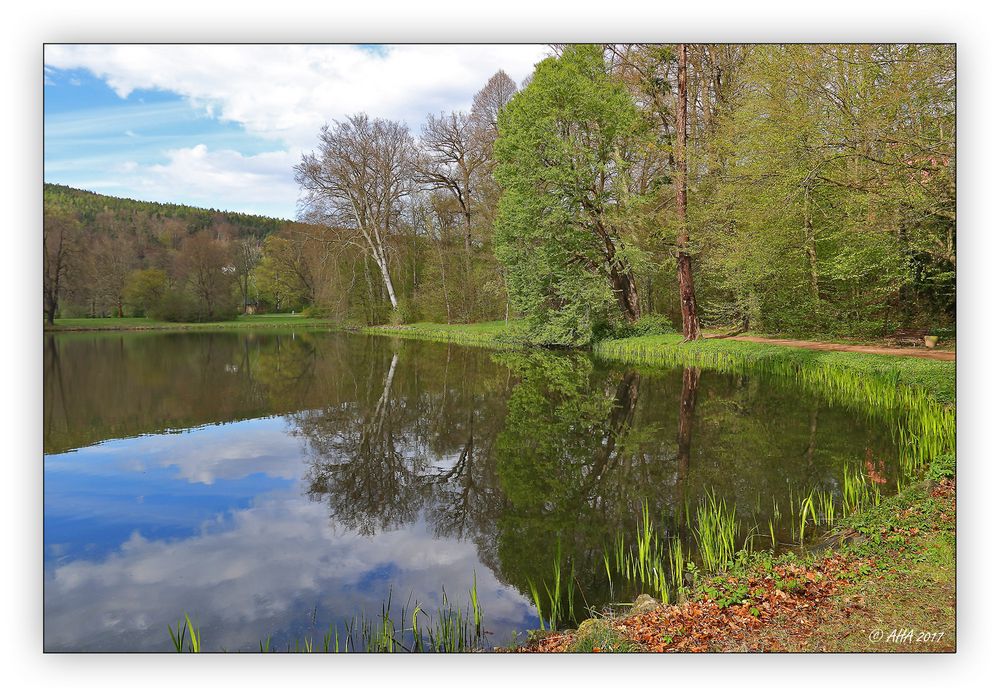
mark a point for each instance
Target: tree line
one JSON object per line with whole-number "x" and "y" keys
{"x": 798, "y": 189}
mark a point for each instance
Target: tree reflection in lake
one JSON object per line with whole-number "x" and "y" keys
{"x": 524, "y": 454}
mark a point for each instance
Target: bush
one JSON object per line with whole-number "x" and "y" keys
{"x": 180, "y": 306}
{"x": 647, "y": 325}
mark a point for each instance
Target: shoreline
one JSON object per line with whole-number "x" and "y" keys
{"x": 140, "y": 324}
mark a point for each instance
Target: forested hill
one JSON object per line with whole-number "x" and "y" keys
{"x": 86, "y": 206}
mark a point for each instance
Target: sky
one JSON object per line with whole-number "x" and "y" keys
{"x": 221, "y": 126}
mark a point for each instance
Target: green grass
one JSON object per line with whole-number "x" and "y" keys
{"x": 144, "y": 323}
{"x": 598, "y": 636}
{"x": 498, "y": 334}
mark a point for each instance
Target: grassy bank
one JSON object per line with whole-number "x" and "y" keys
{"x": 935, "y": 378}
{"x": 886, "y": 583}
{"x": 275, "y": 321}
{"x": 498, "y": 334}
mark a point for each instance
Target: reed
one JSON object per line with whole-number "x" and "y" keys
{"x": 188, "y": 630}
{"x": 450, "y": 630}
{"x": 716, "y": 533}
{"x": 860, "y": 493}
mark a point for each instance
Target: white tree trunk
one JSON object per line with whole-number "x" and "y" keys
{"x": 383, "y": 266}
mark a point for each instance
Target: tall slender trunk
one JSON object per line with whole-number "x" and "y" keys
{"x": 685, "y": 279}
{"x": 444, "y": 280}
{"x": 383, "y": 267}
{"x": 810, "y": 240}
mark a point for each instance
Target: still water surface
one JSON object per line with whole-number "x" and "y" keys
{"x": 273, "y": 484}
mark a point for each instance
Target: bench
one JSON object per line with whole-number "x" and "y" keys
{"x": 909, "y": 337}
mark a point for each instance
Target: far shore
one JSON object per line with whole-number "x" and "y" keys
{"x": 117, "y": 324}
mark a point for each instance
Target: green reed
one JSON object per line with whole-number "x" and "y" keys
{"x": 188, "y": 630}
{"x": 859, "y": 492}
{"x": 716, "y": 533}
{"x": 449, "y": 630}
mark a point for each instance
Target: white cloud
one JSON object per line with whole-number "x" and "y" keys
{"x": 288, "y": 92}
{"x": 218, "y": 178}
{"x": 243, "y": 579}
{"x": 280, "y": 93}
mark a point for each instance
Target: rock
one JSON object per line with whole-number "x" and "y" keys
{"x": 644, "y": 604}
{"x": 590, "y": 626}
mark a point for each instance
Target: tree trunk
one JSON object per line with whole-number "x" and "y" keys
{"x": 810, "y": 240}
{"x": 685, "y": 279}
{"x": 383, "y": 267}
{"x": 625, "y": 290}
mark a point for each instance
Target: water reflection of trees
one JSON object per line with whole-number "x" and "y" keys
{"x": 413, "y": 438}
{"x": 102, "y": 386}
{"x": 523, "y": 453}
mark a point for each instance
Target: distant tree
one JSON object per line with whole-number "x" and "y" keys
{"x": 144, "y": 289}
{"x": 358, "y": 180}
{"x": 452, "y": 156}
{"x": 488, "y": 102}
{"x": 114, "y": 258}
{"x": 246, "y": 253}
{"x": 284, "y": 275}
{"x": 204, "y": 264}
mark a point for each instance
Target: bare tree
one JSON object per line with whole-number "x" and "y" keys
{"x": 488, "y": 102}
{"x": 452, "y": 156}
{"x": 205, "y": 263}
{"x": 59, "y": 239}
{"x": 359, "y": 180}
{"x": 114, "y": 259}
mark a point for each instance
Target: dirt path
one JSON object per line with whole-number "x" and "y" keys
{"x": 933, "y": 354}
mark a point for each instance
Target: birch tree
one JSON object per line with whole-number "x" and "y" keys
{"x": 358, "y": 181}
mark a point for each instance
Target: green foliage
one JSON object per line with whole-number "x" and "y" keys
{"x": 89, "y": 205}
{"x": 829, "y": 205}
{"x": 942, "y": 467}
{"x": 144, "y": 290}
{"x": 563, "y": 226}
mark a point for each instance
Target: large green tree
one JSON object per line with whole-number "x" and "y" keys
{"x": 567, "y": 153}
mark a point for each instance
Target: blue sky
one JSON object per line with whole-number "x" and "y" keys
{"x": 222, "y": 126}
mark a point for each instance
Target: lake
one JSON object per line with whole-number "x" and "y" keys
{"x": 275, "y": 484}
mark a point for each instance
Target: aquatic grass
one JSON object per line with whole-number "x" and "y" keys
{"x": 859, "y": 492}
{"x": 644, "y": 564}
{"x": 826, "y": 507}
{"x": 677, "y": 563}
{"x": 450, "y": 630}
{"x": 807, "y": 507}
{"x": 536, "y": 599}
{"x": 716, "y": 533}
{"x": 188, "y": 630}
